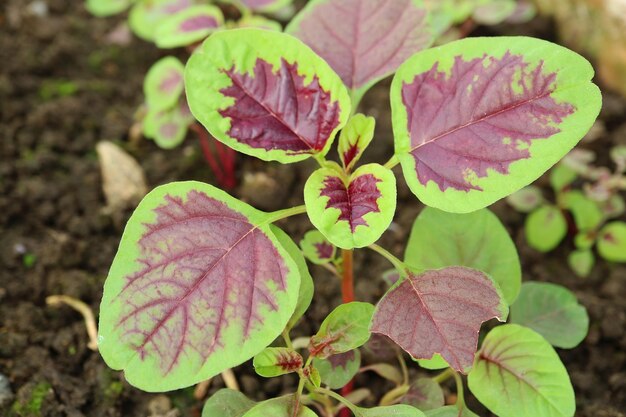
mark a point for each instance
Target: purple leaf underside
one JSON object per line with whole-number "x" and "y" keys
{"x": 275, "y": 110}
{"x": 204, "y": 268}
{"x": 198, "y": 23}
{"x": 324, "y": 250}
{"x": 364, "y": 40}
{"x": 354, "y": 202}
{"x": 483, "y": 116}
{"x": 439, "y": 311}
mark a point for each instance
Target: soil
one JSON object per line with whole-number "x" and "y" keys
{"x": 63, "y": 87}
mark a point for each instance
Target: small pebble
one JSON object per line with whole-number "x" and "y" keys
{"x": 6, "y": 395}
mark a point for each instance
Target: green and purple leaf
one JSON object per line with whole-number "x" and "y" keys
{"x": 363, "y": 40}
{"x": 425, "y": 394}
{"x": 227, "y": 403}
{"x": 355, "y": 137}
{"x": 164, "y": 84}
{"x": 168, "y": 127}
{"x": 478, "y": 119}
{"x": 188, "y": 26}
{"x": 612, "y": 242}
{"x": 518, "y": 374}
{"x": 346, "y": 328}
{"x": 527, "y": 199}
{"x": 199, "y": 284}
{"x": 476, "y": 240}
{"x": 279, "y": 407}
{"x": 440, "y": 311}
{"x": 316, "y": 248}
{"x": 284, "y": 104}
{"x": 147, "y": 15}
{"x": 278, "y": 361}
{"x": 354, "y": 212}
{"x": 553, "y": 312}
{"x": 337, "y": 370}
{"x": 545, "y": 228}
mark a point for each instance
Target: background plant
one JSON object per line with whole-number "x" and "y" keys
{"x": 203, "y": 282}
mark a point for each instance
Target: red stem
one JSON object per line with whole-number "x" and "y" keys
{"x": 347, "y": 293}
{"x": 225, "y": 174}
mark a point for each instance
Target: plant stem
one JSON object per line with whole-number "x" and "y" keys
{"x": 460, "y": 395}
{"x": 397, "y": 263}
{"x": 283, "y": 214}
{"x": 405, "y": 371}
{"x": 445, "y": 375}
{"x": 84, "y": 310}
{"x": 341, "y": 399}
{"x": 347, "y": 282}
{"x": 287, "y": 339}
{"x": 392, "y": 162}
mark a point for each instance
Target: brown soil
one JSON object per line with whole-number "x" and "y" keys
{"x": 56, "y": 238}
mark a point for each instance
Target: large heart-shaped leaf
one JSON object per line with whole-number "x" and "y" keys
{"x": 518, "y": 374}
{"x": 363, "y": 40}
{"x": 477, "y": 240}
{"x": 284, "y": 104}
{"x": 188, "y": 26}
{"x": 351, "y": 212}
{"x": 199, "y": 284}
{"x": 553, "y": 312}
{"x": 440, "y": 311}
{"x": 477, "y": 119}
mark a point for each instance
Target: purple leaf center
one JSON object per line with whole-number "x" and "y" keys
{"x": 324, "y": 250}
{"x": 198, "y": 23}
{"x": 354, "y": 202}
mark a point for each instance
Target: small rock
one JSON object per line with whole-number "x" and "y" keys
{"x": 6, "y": 395}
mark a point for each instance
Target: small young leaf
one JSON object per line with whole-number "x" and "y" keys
{"x": 363, "y": 40}
{"x": 345, "y": 328}
{"x": 314, "y": 376}
{"x": 188, "y": 26}
{"x": 518, "y": 374}
{"x": 278, "y": 104}
{"x": 612, "y": 242}
{"x": 305, "y": 294}
{"x": 451, "y": 411}
{"x": 586, "y": 212}
{"x": 351, "y": 213}
{"x": 477, "y": 119}
{"x": 227, "y": 403}
{"x": 400, "y": 410}
{"x": 273, "y": 362}
{"x": 199, "y": 285}
{"x": 337, "y": 370}
{"x": 355, "y": 137}
{"x": 477, "y": 240}
{"x": 614, "y": 207}
{"x": 545, "y": 228}
{"x": 424, "y": 394}
{"x": 146, "y": 16}
{"x": 102, "y": 8}
{"x": 163, "y": 84}
{"x": 440, "y": 311}
{"x": 553, "y": 312}
{"x": 585, "y": 240}
{"x": 317, "y": 248}
{"x": 493, "y": 12}
{"x": 526, "y": 200}
{"x": 391, "y": 276}
{"x": 561, "y": 176}
{"x": 437, "y": 362}
{"x": 581, "y": 262}
{"x": 279, "y": 407}
{"x": 168, "y": 127}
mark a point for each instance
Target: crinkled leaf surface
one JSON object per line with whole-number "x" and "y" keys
{"x": 337, "y": 370}
{"x": 425, "y": 394}
{"x": 581, "y": 261}
{"x": 278, "y": 361}
{"x": 545, "y": 228}
{"x": 305, "y": 294}
{"x": 316, "y": 248}
{"x": 450, "y": 411}
{"x": 612, "y": 242}
{"x": 188, "y": 26}
{"x": 284, "y": 104}
{"x": 552, "y": 311}
{"x": 227, "y": 403}
{"x": 279, "y": 407}
{"x": 363, "y": 40}
{"x": 477, "y": 119}
{"x": 345, "y": 328}
{"x": 518, "y": 374}
{"x": 103, "y": 8}
{"x": 146, "y": 16}
{"x": 355, "y": 137}
{"x": 400, "y": 410}
{"x": 354, "y": 212}
{"x": 440, "y": 311}
{"x": 199, "y": 284}
{"x": 163, "y": 84}
{"x": 477, "y": 240}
